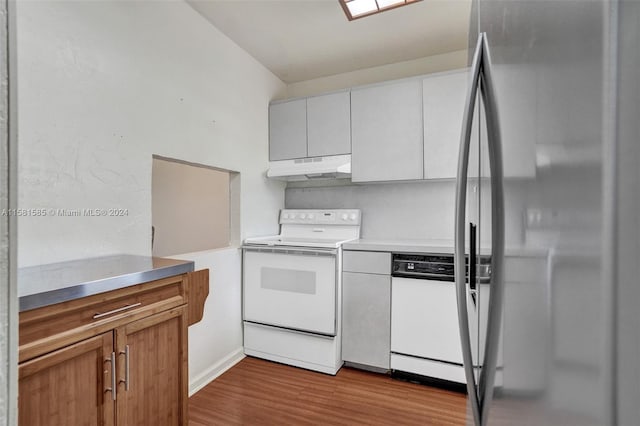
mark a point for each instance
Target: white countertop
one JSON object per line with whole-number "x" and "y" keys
{"x": 431, "y": 246}
{"x": 401, "y": 246}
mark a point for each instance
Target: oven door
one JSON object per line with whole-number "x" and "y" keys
{"x": 291, "y": 288}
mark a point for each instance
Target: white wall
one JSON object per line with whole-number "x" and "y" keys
{"x": 409, "y": 210}
{"x": 102, "y": 86}
{"x": 189, "y": 208}
{"x": 431, "y": 64}
{"x": 215, "y": 343}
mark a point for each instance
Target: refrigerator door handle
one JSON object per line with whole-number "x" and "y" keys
{"x": 472, "y": 264}
{"x": 459, "y": 259}
{"x": 489, "y": 364}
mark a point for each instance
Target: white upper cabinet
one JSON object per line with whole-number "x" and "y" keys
{"x": 404, "y": 130}
{"x": 288, "y": 130}
{"x": 444, "y": 98}
{"x": 329, "y": 124}
{"x": 387, "y": 132}
{"x": 312, "y": 127}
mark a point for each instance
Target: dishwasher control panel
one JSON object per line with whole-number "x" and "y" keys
{"x": 438, "y": 267}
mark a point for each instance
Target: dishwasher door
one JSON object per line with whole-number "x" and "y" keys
{"x": 424, "y": 319}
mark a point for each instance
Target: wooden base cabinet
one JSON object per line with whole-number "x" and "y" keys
{"x": 153, "y": 370}
{"x": 121, "y": 369}
{"x": 71, "y": 386}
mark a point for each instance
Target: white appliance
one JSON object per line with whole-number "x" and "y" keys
{"x": 292, "y": 289}
{"x": 425, "y": 336}
{"x": 300, "y": 169}
{"x": 423, "y": 312}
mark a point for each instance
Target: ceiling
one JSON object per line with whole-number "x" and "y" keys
{"x": 301, "y": 40}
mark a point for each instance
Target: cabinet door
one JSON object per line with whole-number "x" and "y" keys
{"x": 366, "y": 316}
{"x": 386, "y": 132}
{"x": 329, "y": 124}
{"x": 288, "y": 130}
{"x": 444, "y": 100}
{"x": 70, "y": 386}
{"x": 152, "y": 370}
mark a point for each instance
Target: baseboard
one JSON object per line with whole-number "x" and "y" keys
{"x": 215, "y": 370}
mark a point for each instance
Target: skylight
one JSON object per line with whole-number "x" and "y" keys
{"x": 355, "y": 9}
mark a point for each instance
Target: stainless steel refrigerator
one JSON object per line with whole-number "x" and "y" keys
{"x": 548, "y": 184}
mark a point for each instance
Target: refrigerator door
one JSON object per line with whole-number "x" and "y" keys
{"x": 552, "y": 75}
{"x": 480, "y": 320}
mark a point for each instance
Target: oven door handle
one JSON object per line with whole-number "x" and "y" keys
{"x": 297, "y": 251}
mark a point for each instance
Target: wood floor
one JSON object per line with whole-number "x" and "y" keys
{"x": 258, "y": 392}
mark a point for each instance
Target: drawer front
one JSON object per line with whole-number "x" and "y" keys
{"x": 368, "y": 262}
{"x": 49, "y": 328}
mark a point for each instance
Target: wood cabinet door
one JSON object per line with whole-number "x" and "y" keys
{"x": 70, "y": 386}
{"x": 387, "y": 132}
{"x": 152, "y": 370}
{"x": 288, "y": 130}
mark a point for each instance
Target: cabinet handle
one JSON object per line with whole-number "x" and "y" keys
{"x": 115, "y": 311}
{"x": 126, "y": 367}
{"x": 112, "y": 389}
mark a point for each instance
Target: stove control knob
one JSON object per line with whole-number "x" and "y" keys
{"x": 292, "y": 216}
{"x": 310, "y": 215}
{"x": 303, "y": 216}
{"x": 344, "y": 216}
{"x": 353, "y": 216}
{"x": 285, "y": 216}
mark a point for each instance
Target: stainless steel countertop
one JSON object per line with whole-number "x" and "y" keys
{"x": 45, "y": 285}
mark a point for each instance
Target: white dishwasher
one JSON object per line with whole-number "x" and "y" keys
{"x": 425, "y": 336}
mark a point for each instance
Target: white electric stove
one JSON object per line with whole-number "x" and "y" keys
{"x": 292, "y": 289}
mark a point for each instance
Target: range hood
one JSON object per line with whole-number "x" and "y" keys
{"x": 332, "y": 167}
